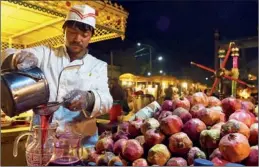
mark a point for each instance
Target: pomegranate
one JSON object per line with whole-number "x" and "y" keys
{"x": 113, "y": 160}
{"x": 150, "y": 123}
{"x": 252, "y": 159}
{"x": 243, "y": 116}
{"x": 256, "y": 110}
{"x": 118, "y": 146}
{"x": 132, "y": 150}
{"x": 199, "y": 98}
{"x": 164, "y": 114}
{"x": 217, "y": 161}
{"x": 209, "y": 140}
{"x": 153, "y": 137}
{"x": 183, "y": 114}
{"x": 140, "y": 162}
{"x": 248, "y": 106}
{"x": 176, "y": 161}
{"x": 256, "y": 119}
{"x": 171, "y": 125}
{"x": 167, "y": 105}
{"x": 105, "y": 134}
{"x": 181, "y": 102}
{"x": 92, "y": 155}
{"x": 193, "y": 128}
{"x": 215, "y": 153}
{"x": 120, "y": 135}
{"x": 196, "y": 109}
{"x": 234, "y": 147}
{"x": 104, "y": 159}
{"x": 253, "y": 139}
{"x": 180, "y": 144}
{"x": 210, "y": 116}
{"x": 140, "y": 139}
{"x": 104, "y": 144}
{"x": 158, "y": 155}
{"x": 217, "y": 125}
{"x": 222, "y": 117}
{"x": 234, "y": 126}
{"x": 156, "y": 114}
{"x": 230, "y": 105}
{"x": 124, "y": 126}
{"x": 134, "y": 127}
{"x": 213, "y": 101}
{"x": 194, "y": 153}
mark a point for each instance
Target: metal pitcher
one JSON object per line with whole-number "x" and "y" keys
{"x": 22, "y": 90}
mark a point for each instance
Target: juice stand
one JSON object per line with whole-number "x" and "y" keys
{"x": 32, "y": 23}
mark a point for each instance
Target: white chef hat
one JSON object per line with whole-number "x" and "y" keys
{"x": 82, "y": 13}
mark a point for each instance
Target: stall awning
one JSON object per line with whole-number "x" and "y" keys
{"x": 33, "y": 23}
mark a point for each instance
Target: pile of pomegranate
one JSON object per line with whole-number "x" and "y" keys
{"x": 185, "y": 129}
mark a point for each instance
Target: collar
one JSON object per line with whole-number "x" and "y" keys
{"x": 77, "y": 61}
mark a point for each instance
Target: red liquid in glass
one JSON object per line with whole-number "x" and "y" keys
{"x": 66, "y": 161}
{"x": 44, "y": 123}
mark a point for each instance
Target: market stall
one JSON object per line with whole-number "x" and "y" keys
{"x": 32, "y": 23}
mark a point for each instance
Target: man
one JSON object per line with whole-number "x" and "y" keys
{"x": 168, "y": 93}
{"x": 74, "y": 76}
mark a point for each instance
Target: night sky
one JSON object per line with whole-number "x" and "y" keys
{"x": 182, "y": 31}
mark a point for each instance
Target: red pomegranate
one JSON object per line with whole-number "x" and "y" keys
{"x": 234, "y": 126}
{"x": 213, "y": 101}
{"x": 153, "y": 137}
{"x": 158, "y": 155}
{"x": 150, "y": 123}
{"x": 199, "y": 98}
{"x": 194, "y": 153}
{"x": 215, "y": 153}
{"x": 105, "y": 134}
{"x": 124, "y": 126}
{"x": 104, "y": 144}
{"x": 234, "y": 147}
{"x": 181, "y": 102}
{"x": 197, "y": 109}
{"x": 176, "y": 161}
{"x": 140, "y": 162}
{"x": 230, "y": 105}
{"x": 171, "y": 125}
{"x": 248, "y": 106}
{"x": 132, "y": 150}
{"x": 134, "y": 127}
{"x": 243, "y": 116}
{"x": 210, "y": 116}
{"x": 156, "y": 114}
{"x": 209, "y": 140}
{"x": 180, "y": 144}
{"x": 104, "y": 159}
{"x": 140, "y": 139}
{"x": 193, "y": 128}
{"x": 118, "y": 146}
{"x": 183, "y": 114}
{"x": 217, "y": 125}
{"x": 253, "y": 139}
{"x": 120, "y": 135}
{"x": 92, "y": 155}
{"x": 167, "y": 105}
{"x": 252, "y": 159}
{"x": 164, "y": 114}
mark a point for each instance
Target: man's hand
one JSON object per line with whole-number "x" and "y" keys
{"x": 24, "y": 60}
{"x": 78, "y": 100}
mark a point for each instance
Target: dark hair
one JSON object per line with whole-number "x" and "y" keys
{"x": 81, "y": 26}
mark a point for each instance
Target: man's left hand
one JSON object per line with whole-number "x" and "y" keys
{"x": 77, "y": 100}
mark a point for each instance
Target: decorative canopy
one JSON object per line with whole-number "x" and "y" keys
{"x": 33, "y": 23}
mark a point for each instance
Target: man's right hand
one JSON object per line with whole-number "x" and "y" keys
{"x": 24, "y": 60}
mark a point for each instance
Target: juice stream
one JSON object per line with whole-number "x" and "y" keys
{"x": 44, "y": 121}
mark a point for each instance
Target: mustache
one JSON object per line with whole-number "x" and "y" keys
{"x": 76, "y": 44}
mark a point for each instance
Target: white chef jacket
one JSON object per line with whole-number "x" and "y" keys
{"x": 63, "y": 76}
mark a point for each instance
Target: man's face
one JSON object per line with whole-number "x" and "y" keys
{"x": 77, "y": 40}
